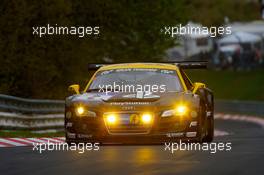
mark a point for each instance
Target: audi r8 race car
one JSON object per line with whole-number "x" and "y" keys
{"x": 140, "y": 102}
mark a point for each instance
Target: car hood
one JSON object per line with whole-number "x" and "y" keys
{"x": 129, "y": 99}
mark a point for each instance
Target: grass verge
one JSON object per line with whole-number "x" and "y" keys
{"x": 244, "y": 85}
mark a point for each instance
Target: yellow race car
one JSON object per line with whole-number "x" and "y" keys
{"x": 140, "y": 103}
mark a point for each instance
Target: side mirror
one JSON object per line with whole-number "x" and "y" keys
{"x": 74, "y": 88}
{"x": 197, "y": 85}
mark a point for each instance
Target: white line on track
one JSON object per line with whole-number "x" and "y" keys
{"x": 245, "y": 118}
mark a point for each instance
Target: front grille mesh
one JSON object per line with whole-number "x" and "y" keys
{"x": 128, "y": 129}
{"x": 125, "y": 127}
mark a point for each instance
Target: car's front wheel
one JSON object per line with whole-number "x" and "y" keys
{"x": 209, "y": 129}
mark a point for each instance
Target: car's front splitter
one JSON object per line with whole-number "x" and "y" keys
{"x": 136, "y": 139}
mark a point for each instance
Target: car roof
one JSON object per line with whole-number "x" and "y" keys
{"x": 139, "y": 65}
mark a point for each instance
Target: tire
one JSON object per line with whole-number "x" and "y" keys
{"x": 201, "y": 123}
{"x": 210, "y": 129}
{"x": 200, "y": 131}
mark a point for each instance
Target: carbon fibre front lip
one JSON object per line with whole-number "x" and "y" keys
{"x": 158, "y": 138}
{"x": 140, "y": 140}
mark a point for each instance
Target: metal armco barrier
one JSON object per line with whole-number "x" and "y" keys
{"x": 30, "y": 106}
{"x": 30, "y": 114}
{"x": 15, "y": 121}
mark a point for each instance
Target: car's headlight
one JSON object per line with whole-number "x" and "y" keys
{"x": 146, "y": 118}
{"x": 168, "y": 113}
{"x": 178, "y": 111}
{"x": 82, "y": 111}
{"x": 181, "y": 110}
{"x": 111, "y": 119}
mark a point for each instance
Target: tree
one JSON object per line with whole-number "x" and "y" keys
{"x": 43, "y": 67}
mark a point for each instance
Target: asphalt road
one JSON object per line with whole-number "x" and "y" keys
{"x": 245, "y": 157}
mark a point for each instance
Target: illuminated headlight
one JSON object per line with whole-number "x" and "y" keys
{"x": 146, "y": 118}
{"x": 81, "y": 111}
{"x": 178, "y": 111}
{"x": 111, "y": 119}
{"x": 181, "y": 110}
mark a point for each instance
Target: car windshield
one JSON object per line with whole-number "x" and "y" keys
{"x": 156, "y": 80}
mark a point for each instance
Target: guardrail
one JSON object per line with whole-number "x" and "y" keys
{"x": 28, "y": 114}
{"x": 15, "y": 121}
{"x": 30, "y": 106}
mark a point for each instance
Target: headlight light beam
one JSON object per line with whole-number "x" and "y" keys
{"x": 80, "y": 110}
{"x": 180, "y": 110}
{"x": 111, "y": 119}
{"x": 146, "y": 118}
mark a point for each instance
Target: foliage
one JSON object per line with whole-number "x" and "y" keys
{"x": 129, "y": 31}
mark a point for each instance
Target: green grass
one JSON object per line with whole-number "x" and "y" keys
{"x": 244, "y": 85}
{"x": 29, "y": 134}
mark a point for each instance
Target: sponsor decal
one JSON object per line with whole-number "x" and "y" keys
{"x": 128, "y": 103}
{"x": 134, "y": 119}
